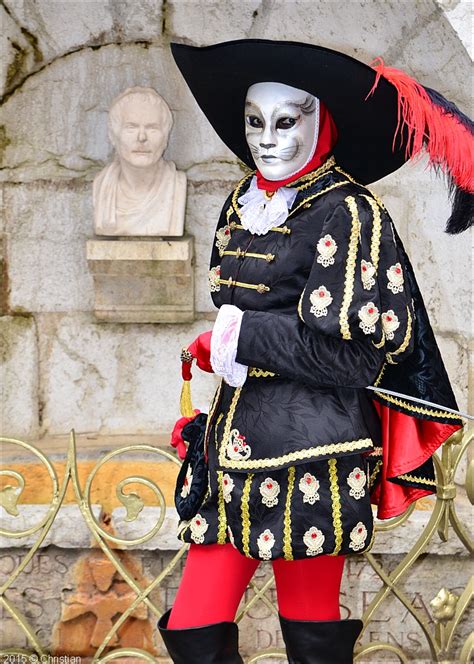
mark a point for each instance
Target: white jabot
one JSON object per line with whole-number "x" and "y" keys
{"x": 259, "y": 213}
{"x": 224, "y": 341}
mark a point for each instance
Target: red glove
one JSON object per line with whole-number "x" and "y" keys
{"x": 200, "y": 349}
{"x": 176, "y": 437}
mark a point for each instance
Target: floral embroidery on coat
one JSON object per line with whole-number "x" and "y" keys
{"x": 390, "y": 323}
{"x": 223, "y": 238}
{"x": 269, "y": 490}
{"x": 358, "y": 536}
{"x": 395, "y": 278}
{"x": 214, "y": 279}
{"x": 265, "y": 543}
{"x": 309, "y": 486}
{"x": 369, "y": 315}
{"x": 199, "y": 527}
{"x": 186, "y": 488}
{"x": 326, "y": 247}
{"x": 357, "y": 480}
{"x": 227, "y": 487}
{"x": 320, "y": 299}
{"x": 237, "y": 447}
{"x": 367, "y": 274}
{"x": 314, "y": 540}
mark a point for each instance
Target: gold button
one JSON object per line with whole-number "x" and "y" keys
{"x": 261, "y": 288}
{"x": 269, "y": 258}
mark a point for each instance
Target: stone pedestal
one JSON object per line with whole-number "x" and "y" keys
{"x": 143, "y": 281}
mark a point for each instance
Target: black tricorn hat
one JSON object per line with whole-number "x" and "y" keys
{"x": 383, "y": 116}
{"x": 220, "y": 75}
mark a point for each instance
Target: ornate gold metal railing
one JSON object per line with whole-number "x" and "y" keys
{"x": 448, "y": 608}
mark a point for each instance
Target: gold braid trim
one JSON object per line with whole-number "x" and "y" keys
{"x": 376, "y": 232}
{"x": 417, "y": 409}
{"x": 406, "y": 341}
{"x": 350, "y": 268}
{"x": 417, "y": 479}
{"x": 372, "y": 193}
{"x": 375, "y": 472}
{"x": 361, "y": 444}
{"x": 254, "y": 372}
{"x": 246, "y": 515}
{"x": 305, "y": 201}
{"x": 380, "y": 376}
{"x": 212, "y": 409}
{"x": 236, "y": 193}
{"x": 287, "y": 549}
{"x": 309, "y": 178}
{"x": 229, "y": 212}
{"x": 336, "y": 507}
{"x": 222, "y": 527}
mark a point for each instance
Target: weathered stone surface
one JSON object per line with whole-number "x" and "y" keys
{"x": 19, "y": 408}
{"x": 18, "y": 54}
{"x": 115, "y": 378}
{"x": 441, "y": 261}
{"x": 78, "y": 146}
{"x": 63, "y": 26}
{"x": 46, "y": 228}
{"x": 143, "y": 281}
{"x": 205, "y": 201}
{"x": 459, "y": 14}
{"x": 200, "y": 23}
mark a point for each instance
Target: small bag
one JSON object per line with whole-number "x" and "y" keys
{"x": 191, "y": 484}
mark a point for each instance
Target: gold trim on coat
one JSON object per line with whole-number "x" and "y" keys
{"x": 350, "y": 268}
{"x": 246, "y": 515}
{"x": 287, "y": 548}
{"x": 336, "y": 507}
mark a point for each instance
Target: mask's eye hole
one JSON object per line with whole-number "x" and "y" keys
{"x": 254, "y": 121}
{"x": 286, "y": 123}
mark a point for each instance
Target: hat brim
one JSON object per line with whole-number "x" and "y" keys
{"x": 220, "y": 75}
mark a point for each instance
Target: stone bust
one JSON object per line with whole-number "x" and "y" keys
{"x": 139, "y": 193}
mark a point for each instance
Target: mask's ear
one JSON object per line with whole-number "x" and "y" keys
{"x": 112, "y": 137}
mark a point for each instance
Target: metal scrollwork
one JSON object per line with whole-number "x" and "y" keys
{"x": 448, "y": 608}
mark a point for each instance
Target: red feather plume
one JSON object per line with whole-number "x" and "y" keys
{"x": 447, "y": 140}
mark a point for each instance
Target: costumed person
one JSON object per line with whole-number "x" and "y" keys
{"x": 317, "y": 301}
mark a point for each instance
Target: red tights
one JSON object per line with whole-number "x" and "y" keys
{"x": 216, "y": 575}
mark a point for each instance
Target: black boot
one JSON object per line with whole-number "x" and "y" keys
{"x": 210, "y": 644}
{"x": 320, "y": 641}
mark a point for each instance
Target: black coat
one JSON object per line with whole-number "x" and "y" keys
{"x": 304, "y": 398}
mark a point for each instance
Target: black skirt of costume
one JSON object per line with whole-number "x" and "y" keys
{"x": 302, "y": 511}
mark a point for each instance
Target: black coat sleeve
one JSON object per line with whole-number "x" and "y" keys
{"x": 355, "y": 312}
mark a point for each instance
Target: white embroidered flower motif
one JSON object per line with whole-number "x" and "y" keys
{"x": 237, "y": 447}
{"x": 367, "y": 274}
{"x": 358, "y": 536}
{"x": 369, "y": 315}
{"x": 309, "y": 486}
{"x": 227, "y": 487}
{"x": 356, "y": 480}
{"x": 187, "y": 483}
{"x": 314, "y": 540}
{"x": 395, "y": 278}
{"x": 390, "y": 323}
{"x": 214, "y": 279}
{"x": 199, "y": 527}
{"x": 269, "y": 490}
{"x": 265, "y": 543}
{"x": 326, "y": 247}
{"x": 320, "y": 299}
{"x": 223, "y": 238}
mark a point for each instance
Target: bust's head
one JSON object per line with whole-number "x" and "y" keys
{"x": 140, "y": 122}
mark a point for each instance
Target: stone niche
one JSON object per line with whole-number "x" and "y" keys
{"x": 143, "y": 280}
